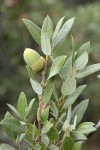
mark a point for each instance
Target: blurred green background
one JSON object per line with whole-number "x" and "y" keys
{"x": 14, "y": 37}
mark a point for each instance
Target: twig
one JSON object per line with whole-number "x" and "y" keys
{"x": 62, "y": 140}
{"x": 41, "y": 99}
{"x": 18, "y": 146}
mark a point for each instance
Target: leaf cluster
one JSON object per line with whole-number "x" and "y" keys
{"x": 58, "y": 124}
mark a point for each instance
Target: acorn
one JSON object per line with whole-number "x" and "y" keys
{"x": 34, "y": 60}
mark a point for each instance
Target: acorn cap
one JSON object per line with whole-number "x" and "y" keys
{"x": 39, "y": 65}
{"x": 31, "y": 56}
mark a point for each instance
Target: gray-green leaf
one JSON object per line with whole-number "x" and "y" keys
{"x": 79, "y": 110}
{"x": 45, "y": 114}
{"x": 36, "y": 86}
{"x": 54, "y": 109}
{"x": 77, "y": 146}
{"x": 63, "y": 33}
{"x": 78, "y": 135}
{"x": 73, "y": 97}
{"x": 37, "y": 147}
{"x": 55, "y": 94}
{"x": 66, "y": 124}
{"x": 34, "y": 30}
{"x": 58, "y": 62}
{"x": 68, "y": 86}
{"x": 88, "y": 70}
{"x": 84, "y": 48}
{"x": 22, "y": 104}
{"x": 47, "y": 26}
{"x": 29, "y": 108}
{"x": 81, "y": 61}
{"x": 45, "y": 139}
{"x": 86, "y": 128}
{"x": 66, "y": 69}
{"x": 48, "y": 91}
{"x": 14, "y": 110}
{"x": 47, "y": 126}
{"x": 13, "y": 124}
{"x": 12, "y": 135}
{"x": 8, "y": 116}
{"x": 58, "y": 27}
{"x": 6, "y": 147}
{"x": 45, "y": 43}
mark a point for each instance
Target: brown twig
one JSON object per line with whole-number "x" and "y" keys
{"x": 18, "y": 146}
{"x": 41, "y": 99}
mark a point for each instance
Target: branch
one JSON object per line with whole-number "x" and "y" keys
{"x": 43, "y": 83}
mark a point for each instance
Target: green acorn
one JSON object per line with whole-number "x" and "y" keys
{"x": 34, "y": 60}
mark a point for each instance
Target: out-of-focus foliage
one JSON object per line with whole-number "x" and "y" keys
{"x": 14, "y": 37}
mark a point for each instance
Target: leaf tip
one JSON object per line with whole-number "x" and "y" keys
{"x": 24, "y": 19}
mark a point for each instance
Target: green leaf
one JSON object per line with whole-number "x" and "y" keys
{"x": 36, "y": 86}
{"x": 32, "y": 129}
{"x": 86, "y": 128}
{"x": 79, "y": 110}
{"x": 48, "y": 91}
{"x": 88, "y": 70}
{"x": 14, "y": 125}
{"x": 30, "y": 72}
{"x": 43, "y": 147}
{"x": 66, "y": 124}
{"x": 27, "y": 148}
{"x": 34, "y": 30}
{"x": 67, "y": 68}
{"x": 54, "y": 147}
{"x": 86, "y": 124}
{"x": 61, "y": 117}
{"x": 6, "y": 147}
{"x": 8, "y": 116}
{"x": 14, "y": 110}
{"x": 73, "y": 97}
{"x": 58, "y": 62}
{"x": 12, "y": 135}
{"x": 78, "y": 136}
{"x": 77, "y": 146}
{"x": 45, "y": 114}
{"x": 45, "y": 139}
{"x": 29, "y": 108}
{"x": 20, "y": 137}
{"x": 58, "y": 27}
{"x": 53, "y": 134}
{"x": 35, "y": 131}
{"x": 53, "y": 108}
{"x": 22, "y": 104}
{"x": 67, "y": 143}
{"x": 47, "y": 26}
{"x": 84, "y": 48}
{"x": 68, "y": 86}
{"x": 81, "y": 61}
{"x": 55, "y": 94}
{"x": 63, "y": 33}
{"x": 47, "y": 126}
{"x": 37, "y": 147}
{"x": 73, "y": 124}
{"x": 45, "y": 43}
